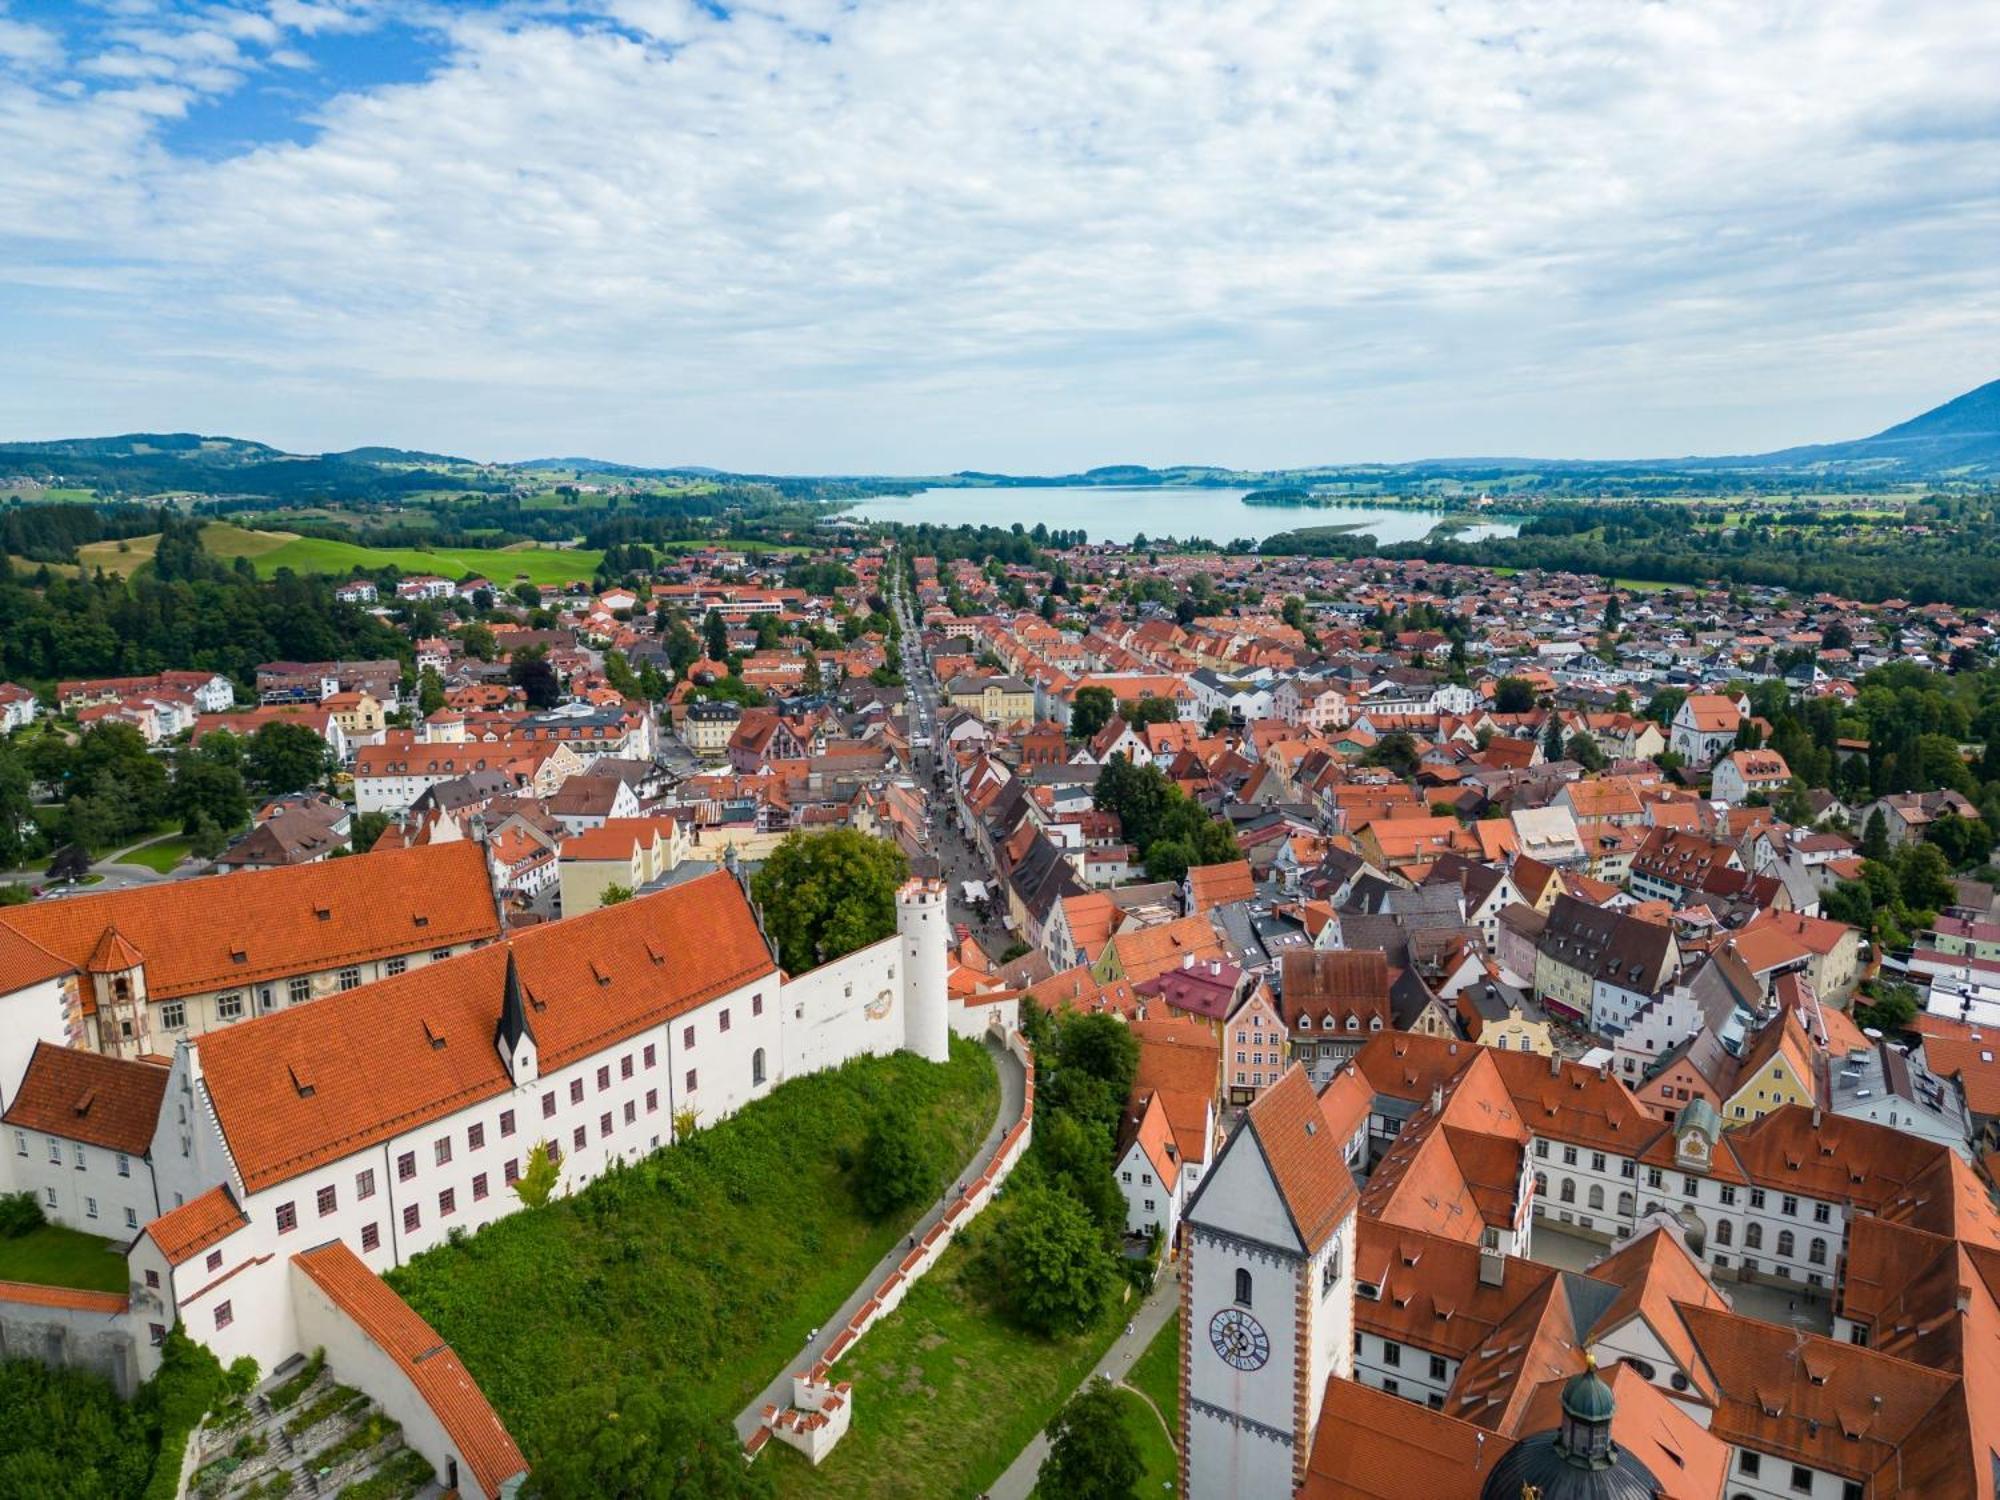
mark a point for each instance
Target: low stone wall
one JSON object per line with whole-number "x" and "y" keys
{"x": 896, "y": 1285}
{"x": 71, "y": 1330}
{"x": 978, "y": 1193}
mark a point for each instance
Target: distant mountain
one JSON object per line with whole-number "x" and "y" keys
{"x": 140, "y": 464}
{"x": 1960, "y": 437}
{"x": 1958, "y": 440}
{"x": 399, "y": 456}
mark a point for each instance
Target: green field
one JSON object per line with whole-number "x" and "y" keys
{"x": 218, "y": 538}
{"x": 701, "y": 1269}
{"x": 946, "y": 1390}
{"x": 272, "y": 550}
{"x": 55, "y": 1256}
{"x": 542, "y": 566}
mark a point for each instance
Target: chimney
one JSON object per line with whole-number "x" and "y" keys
{"x": 1492, "y": 1266}
{"x": 1555, "y": 1064}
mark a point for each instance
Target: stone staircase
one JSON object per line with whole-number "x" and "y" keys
{"x": 302, "y": 1433}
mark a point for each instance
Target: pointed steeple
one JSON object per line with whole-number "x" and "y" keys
{"x": 513, "y": 1025}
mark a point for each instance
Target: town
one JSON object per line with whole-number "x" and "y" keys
{"x": 1322, "y": 1025}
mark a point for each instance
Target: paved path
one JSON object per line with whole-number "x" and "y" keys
{"x": 1013, "y": 1098}
{"x": 1019, "y": 1480}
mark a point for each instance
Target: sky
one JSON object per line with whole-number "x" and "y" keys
{"x": 913, "y": 236}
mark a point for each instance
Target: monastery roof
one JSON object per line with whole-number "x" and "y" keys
{"x": 201, "y": 935}
{"x": 302, "y": 1087}
{"x": 84, "y": 1096}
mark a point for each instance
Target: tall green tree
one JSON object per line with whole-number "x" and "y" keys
{"x": 898, "y": 1164}
{"x": 1092, "y": 1453}
{"x": 1054, "y": 1273}
{"x": 1090, "y": 711}
{"x": 826, "y": 894}
{"x": 283, "y": 757}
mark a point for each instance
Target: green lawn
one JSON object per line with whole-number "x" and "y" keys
{"x": 1157, "y": 1372}
{"x": 1162, "y": 1476}
{"x": 162, "y": 855}
{"x": 55, "y": 1256}
{"x": 702, "y": 1268}
{"x": 946, "y": 1391}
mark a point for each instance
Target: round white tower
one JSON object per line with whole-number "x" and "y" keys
{"x": 923, "y": 921}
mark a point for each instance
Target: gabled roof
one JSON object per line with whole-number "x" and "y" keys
{"x": 1822, "y": 1402}
{"x": 83, "y": 1096}
{"x": 183, "y": 1233}
{"x": 305, "y": 1086}
{"x": 198, "y": 936}
{"x": 1305, "y": 1160}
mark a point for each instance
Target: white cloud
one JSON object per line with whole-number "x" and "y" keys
{"x": 919, "y": 233}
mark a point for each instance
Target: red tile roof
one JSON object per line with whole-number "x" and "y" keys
{"x": 183, "y": 1233}
{"x": 429, "y": 1363}
{"x": 1305, "y": 1160}
{"x": 83, "y": 1096}
{"x": 196, "y": 936}
{"x": 306, "y": 1086}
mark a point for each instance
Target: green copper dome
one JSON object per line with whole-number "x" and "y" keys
{"x": 1588, "y": 1398}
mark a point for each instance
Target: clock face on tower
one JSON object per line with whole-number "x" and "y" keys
{"x": 1239, "y": 1339}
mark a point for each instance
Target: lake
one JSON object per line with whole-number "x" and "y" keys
{"x": 1111, "y": 514}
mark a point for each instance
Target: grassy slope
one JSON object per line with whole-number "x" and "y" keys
{"x": 1157, "y": 1372}
{"x": 55, "y": 1256}
{"x": 946, "y": 1391}
{"x": 705, "y": 1265}
{"x": 1162, "y": 1473}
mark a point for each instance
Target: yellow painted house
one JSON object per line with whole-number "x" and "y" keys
{"x": 993, "y": 700}
{"x": 1776, "y": 1070}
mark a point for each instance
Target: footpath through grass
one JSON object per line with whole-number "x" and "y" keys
{"x": 55, "y": 1256}
{"x": 1156, "y": 1450}
{"x": 1157, "y": 1372}
{"x": 946, "y": 1390}
{"x": 702, "y": 1268}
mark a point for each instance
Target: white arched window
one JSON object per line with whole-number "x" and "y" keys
{"x": 757, "y": 1067}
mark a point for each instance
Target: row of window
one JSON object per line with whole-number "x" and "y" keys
{"x": 1392, "y": 1355}
{"x": 90, "y": 1208}
{"x": 298, "y": 990}
{"x": 1802, "y": 1477}
{"x": 82, "y": 1157}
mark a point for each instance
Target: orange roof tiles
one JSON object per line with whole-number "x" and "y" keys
{"x": 1305, "y": 1160}
{"x": 109, "y": 1303}
{"x": 1147, "y": 952}
{"x": 302, "y": 1087}
{"x": 183, "y": 1233}
{"x": 429, "y": 1363}
{"x": 1218, "y": 885}
{"x": 195, "y": 936}
{"x": 1370, "y": 1445}
{"x": 1817, "y": 1401}
{"x": 83, "y": 1096}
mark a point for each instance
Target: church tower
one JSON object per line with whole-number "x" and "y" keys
{"x": 923, "y": 922}
{"x": 1267, "y": 1298}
